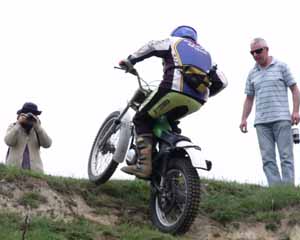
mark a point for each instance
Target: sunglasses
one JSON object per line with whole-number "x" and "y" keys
{"x": 257, "y": 51}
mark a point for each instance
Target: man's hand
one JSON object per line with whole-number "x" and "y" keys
{"x": 31, "y": 117}
{"x": 126, "y": 65}
{"x": 243, "y": 126}
{"x": 34, "y": 119}
{"x": 295, "y": 118}
{"x": 22, "y": 118}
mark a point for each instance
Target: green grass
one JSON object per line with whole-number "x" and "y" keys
{"x": 134, "y": 193}
{"x": 11, "y": 174}
{"x": 12, "y": 227}
{"x": 230, "y": 201}
{"x": 32, "y": 200}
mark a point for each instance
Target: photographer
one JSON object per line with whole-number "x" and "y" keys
{"x": 24, "y": 139}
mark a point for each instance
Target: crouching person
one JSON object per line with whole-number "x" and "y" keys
{"x": 24, "y": 139}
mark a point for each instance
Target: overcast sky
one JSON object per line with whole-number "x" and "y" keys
{"x": 60, "y": 54}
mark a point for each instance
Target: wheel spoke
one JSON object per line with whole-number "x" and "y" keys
{"x": 103, "y": 152}
{"x": 176, "y": 196}
{"x": 110, "y": 147}
{"x": 175, "y": 206}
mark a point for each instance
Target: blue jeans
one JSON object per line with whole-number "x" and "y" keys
{"x": 279, "y": 133}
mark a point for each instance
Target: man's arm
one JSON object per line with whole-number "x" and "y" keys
{"x": 246, "y": 112}
{"x": 296, "y": 99}
{"x": 153, "y": 48}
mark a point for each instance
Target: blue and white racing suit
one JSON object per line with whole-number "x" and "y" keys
{"x": 175, "y": 97}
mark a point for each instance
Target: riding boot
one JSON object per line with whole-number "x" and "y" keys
{"x": 143, "y": 168}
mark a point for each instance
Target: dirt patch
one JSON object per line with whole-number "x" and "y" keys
{"x": 57, "y": 205}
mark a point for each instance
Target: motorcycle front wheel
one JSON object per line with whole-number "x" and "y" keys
{"x": 174, "y": 207}
{"x": 101, "y": 165}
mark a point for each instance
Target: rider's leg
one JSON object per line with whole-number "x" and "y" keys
{"x": 143, "y": 123}
{"x": 174, "y": 105}
{"x": 143, "y": 168}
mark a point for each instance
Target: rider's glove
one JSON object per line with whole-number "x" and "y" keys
{"x": 126, "y": 65}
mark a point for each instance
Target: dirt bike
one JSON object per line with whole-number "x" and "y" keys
{"x": 175, "y": 184}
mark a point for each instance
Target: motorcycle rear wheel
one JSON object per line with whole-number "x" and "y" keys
{"x": 174, "y": 209}
{"x": 101, "y": 165}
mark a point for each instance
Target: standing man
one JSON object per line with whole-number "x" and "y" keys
{"x": 24, "y": 139}
{"x": 267, "y": 82}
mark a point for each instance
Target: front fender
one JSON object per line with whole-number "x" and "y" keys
{"x": 124, "y": 139}
{"x": 195, "y": 154}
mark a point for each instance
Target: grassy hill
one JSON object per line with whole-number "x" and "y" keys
{"x": 36, "y": 206}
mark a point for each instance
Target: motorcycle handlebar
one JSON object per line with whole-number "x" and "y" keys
{"x": 134, "y": 72}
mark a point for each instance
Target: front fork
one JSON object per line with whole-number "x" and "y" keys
{"x": 108, "y": 134}
{"x": 162, "y": 160}
{"x": 160, "y": 185}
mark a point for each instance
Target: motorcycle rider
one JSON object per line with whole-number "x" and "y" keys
{"x": 189, "y": 78}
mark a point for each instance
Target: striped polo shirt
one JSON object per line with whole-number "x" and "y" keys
{"x": 269, "y": 86}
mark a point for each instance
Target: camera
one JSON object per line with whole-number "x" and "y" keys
{"x": 296, "y": 135}
{"x": 30, "y": 117}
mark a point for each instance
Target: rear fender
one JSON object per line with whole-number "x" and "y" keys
{"x": 195, "y": 154}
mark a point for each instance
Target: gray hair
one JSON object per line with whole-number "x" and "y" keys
{"x": 259, "y": 40}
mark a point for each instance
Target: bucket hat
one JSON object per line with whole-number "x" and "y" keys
{"x": 29, "y": 107}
